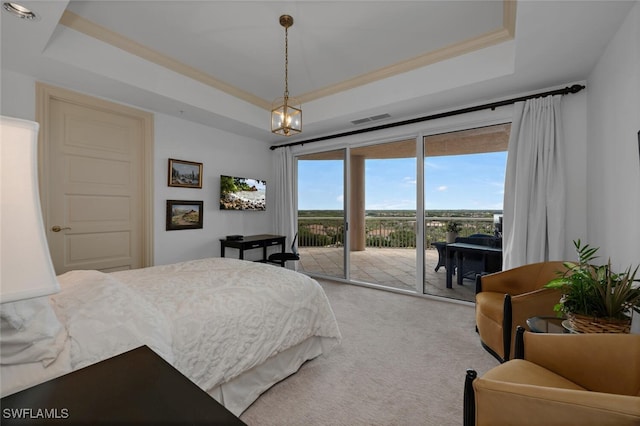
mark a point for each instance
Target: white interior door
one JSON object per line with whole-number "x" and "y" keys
{"x": 95, "y": 186}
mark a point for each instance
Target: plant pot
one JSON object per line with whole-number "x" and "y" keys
{"x": 585, "y": 324}
{"x": 450, "y": 237}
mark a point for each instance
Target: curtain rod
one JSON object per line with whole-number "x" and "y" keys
{"x": 493, "y": 105}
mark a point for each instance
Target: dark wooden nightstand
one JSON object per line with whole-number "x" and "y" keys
{"x": 136, "y": 387}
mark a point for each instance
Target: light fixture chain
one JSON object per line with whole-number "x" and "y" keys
{"x": 286, "y": 120}
{"x": 286, "y": 63}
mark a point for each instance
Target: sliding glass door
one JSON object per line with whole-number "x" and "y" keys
{"x": 372, "y": 214}
{"x": 382, "y": 215}
{"x": 376, "y": 235}
{"x": 321, "y": 213}
{"x": 463, "y": 184}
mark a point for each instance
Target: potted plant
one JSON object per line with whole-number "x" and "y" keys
{"x": 594, "y": 298}
{"x": 452, "y": 228}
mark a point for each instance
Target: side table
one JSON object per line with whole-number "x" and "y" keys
{"x": 136, "y": 387}
{"x": 547, "y": 325}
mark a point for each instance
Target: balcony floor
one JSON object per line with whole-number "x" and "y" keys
{"x": 391, "y": 267}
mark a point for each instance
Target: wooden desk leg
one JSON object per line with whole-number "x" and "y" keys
{"x": 459, "y": 260}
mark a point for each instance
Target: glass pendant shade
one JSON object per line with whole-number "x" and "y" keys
{"x": 286, "y": 120}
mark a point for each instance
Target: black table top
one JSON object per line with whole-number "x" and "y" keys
{"x": 474, "y": 247}
{"x": 136, "y": 387}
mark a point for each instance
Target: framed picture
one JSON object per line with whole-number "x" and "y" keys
{"x": 184, "y": 215}
{"x": 185, "y": 174}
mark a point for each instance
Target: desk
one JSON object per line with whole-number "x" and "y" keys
{"x": 455, "y": 249}
{"x": 136, "y": 387}
{"x": 250, "y": 242}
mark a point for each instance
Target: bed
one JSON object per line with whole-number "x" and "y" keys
{"x": 233, "y": 327}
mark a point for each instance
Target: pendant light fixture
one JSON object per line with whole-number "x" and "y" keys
{"x": 286, "y": 114}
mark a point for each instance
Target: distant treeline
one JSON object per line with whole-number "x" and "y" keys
{"x": 403, "y": 213}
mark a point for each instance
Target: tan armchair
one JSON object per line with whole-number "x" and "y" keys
{"x": 504, "y": 300}
{"x": 563, "y": 379}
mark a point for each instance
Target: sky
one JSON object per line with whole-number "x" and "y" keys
{"x": 471, "y": 181}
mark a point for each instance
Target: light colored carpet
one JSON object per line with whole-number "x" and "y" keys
{"x": 402, "y": 361}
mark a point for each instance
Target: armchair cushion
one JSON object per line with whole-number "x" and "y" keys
{"x": 527, "y": 372}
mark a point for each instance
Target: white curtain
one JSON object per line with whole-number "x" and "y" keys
{"x": 534, "y": 200}
{"x": 284, "y": 188}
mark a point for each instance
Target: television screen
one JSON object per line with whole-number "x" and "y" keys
{"x": 238, "y": 193}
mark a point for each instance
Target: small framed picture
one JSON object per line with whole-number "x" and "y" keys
{"x": 185, "y": 174}
{"x": 184, "y": 215}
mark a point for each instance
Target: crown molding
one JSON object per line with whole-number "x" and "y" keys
{"x": 87, "y": 27}
{"x": 91, "y": 29}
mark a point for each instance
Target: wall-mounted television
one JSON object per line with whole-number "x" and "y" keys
{"x": 239, "y": 193}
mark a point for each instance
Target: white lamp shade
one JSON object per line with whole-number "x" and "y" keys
{"x": 26, "y": 270}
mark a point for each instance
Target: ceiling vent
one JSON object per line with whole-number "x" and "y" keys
{"x": 372, "y": 118}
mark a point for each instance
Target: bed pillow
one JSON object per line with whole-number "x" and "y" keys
{"x": 105, "y": 318}
{"x": 30, "y": 332}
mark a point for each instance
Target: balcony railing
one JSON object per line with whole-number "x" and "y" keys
{"x": 395, "y": 232}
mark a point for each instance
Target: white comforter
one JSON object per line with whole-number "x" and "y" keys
{"x": 212, "y": 319}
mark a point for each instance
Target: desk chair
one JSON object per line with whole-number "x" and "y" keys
{"x": 282, "y": 258}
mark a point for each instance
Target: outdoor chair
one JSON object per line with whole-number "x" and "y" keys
{"x": 505, "y": 300}
{"x": 441, "y": 247}
{"x": 560, "y": 379}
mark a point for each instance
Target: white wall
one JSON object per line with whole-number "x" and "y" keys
{"x": 574, "y": 121}
{"x": 17, "y": 95}
{"x": 613, "y": 162}
{"x": 220, "y": 152}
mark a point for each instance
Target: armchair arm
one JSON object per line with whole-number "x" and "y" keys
{"x": 500, "y": 403}
{"x": 615, "y": 358}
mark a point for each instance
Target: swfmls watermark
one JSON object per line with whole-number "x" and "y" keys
{"x": 35, "y": 413}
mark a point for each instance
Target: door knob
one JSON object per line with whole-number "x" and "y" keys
{"x": 57, "y": 228}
